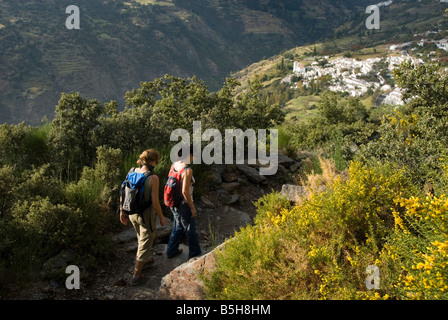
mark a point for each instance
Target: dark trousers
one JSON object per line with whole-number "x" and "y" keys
{"x": 183, "y": 222}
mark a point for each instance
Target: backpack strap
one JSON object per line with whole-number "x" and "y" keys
{"x": 148, "y": 174}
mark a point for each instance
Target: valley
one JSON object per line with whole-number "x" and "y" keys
{"x": 122, "y": 43}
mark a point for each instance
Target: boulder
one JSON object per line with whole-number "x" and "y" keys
{"x": 293, "y": 192}
{"x": 251, "y": 173}
{"x": 229, "y": 177}
{"x": 285, "y": 161}
{"x": 239, "y": 218}
{"x": 230, "y": 186}
{"x": 295, "y": 166}
{"x": 226, "y": 197}
{"x": 61, "y": 260}
{"x": 234, "y": 198}
{"x": 184, "y": 282}
{"x": 55, "y": 267}
{"x": 207, "y": 202}
{"x": 282, "y": 169}
{"x": 216, "y": 171}
{"x": 229, "y": 220}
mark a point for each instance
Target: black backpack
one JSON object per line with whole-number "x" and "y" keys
{"x": 132, "y": 193}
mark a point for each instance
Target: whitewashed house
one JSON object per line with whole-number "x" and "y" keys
{"x": 299, "y": 68}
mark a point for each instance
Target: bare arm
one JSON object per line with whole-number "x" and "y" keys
{"x": 155, "y": 198}
{"x": 186, "y": 184}
{"x": 123, "y": 217}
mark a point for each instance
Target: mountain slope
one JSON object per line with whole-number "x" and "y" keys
{"x": 122, "y": 43}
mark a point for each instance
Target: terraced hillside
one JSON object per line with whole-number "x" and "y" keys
{"x": 122, "y": 43}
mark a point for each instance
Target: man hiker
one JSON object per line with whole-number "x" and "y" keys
{"x": 184, "y": 210}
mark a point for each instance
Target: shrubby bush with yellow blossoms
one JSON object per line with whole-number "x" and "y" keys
{"x": 317, "y": 250}
{"x": 417, "y": 253}
{"x": 320, "y": 249}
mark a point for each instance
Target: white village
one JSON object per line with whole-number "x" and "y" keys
{"x": 346, "y": 76}
{"x": 349, "y": 75}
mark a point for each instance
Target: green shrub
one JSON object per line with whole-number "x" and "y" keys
{"x": 39, "y": 182}
{"x": 108, "y": 174}
{"x": 54, "y": 226}
{"x": 414, "y": 135}
{"x": 270, "y": 205}
{"x": 8, "y": 181}
{"x": 86, "y": 192}
{"x": 72, "y": 133}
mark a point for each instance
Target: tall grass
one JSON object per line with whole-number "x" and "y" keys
{"x": 284, "y": 142}
{"x": 338, "y": 155}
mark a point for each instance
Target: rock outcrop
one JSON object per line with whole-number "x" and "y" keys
{"x": 184, "y": 282}
{"x": 251, "y": 173}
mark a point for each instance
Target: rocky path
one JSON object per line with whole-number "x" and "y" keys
{"x": 111, "y": 281}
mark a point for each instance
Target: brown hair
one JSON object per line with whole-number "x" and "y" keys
{"x": 148, "y": 156}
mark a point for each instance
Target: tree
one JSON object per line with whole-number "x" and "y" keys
{"x": 355, "y": 111}
{"x": 425, "y": 86}
{"x": 250, "y": 112}
{"x": 171, "y": 103}
{"x": 330, "y": 107}
{"x": 414, "y": 137}
{"x": 72, "y": 131}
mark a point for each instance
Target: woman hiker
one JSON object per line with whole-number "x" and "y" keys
{"x": 145, "y": 234}
{"x": 184, "y": 215}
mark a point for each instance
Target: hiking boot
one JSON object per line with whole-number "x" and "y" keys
{"x": 176, "y": 254}
{"x": 138, "y": 280}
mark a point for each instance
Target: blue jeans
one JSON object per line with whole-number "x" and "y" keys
{"x": 183, "y": 222}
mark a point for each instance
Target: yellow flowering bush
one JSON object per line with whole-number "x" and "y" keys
{"x": 318, "y": 249}
{"x": 420, "y": 248}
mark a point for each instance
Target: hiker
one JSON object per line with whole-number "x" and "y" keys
{"x": 184, "y": 214}
{"x": 145, "y": 224}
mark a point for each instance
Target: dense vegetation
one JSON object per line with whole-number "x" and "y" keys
{"x": 387, "y": 206}
{"x": 60, "y": 181}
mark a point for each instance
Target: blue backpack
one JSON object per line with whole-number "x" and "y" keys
{"x": 132, "y": 193}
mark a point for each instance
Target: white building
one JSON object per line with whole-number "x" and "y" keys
{"x": 394, "y": 98}
{"x": 299, "y": 68}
